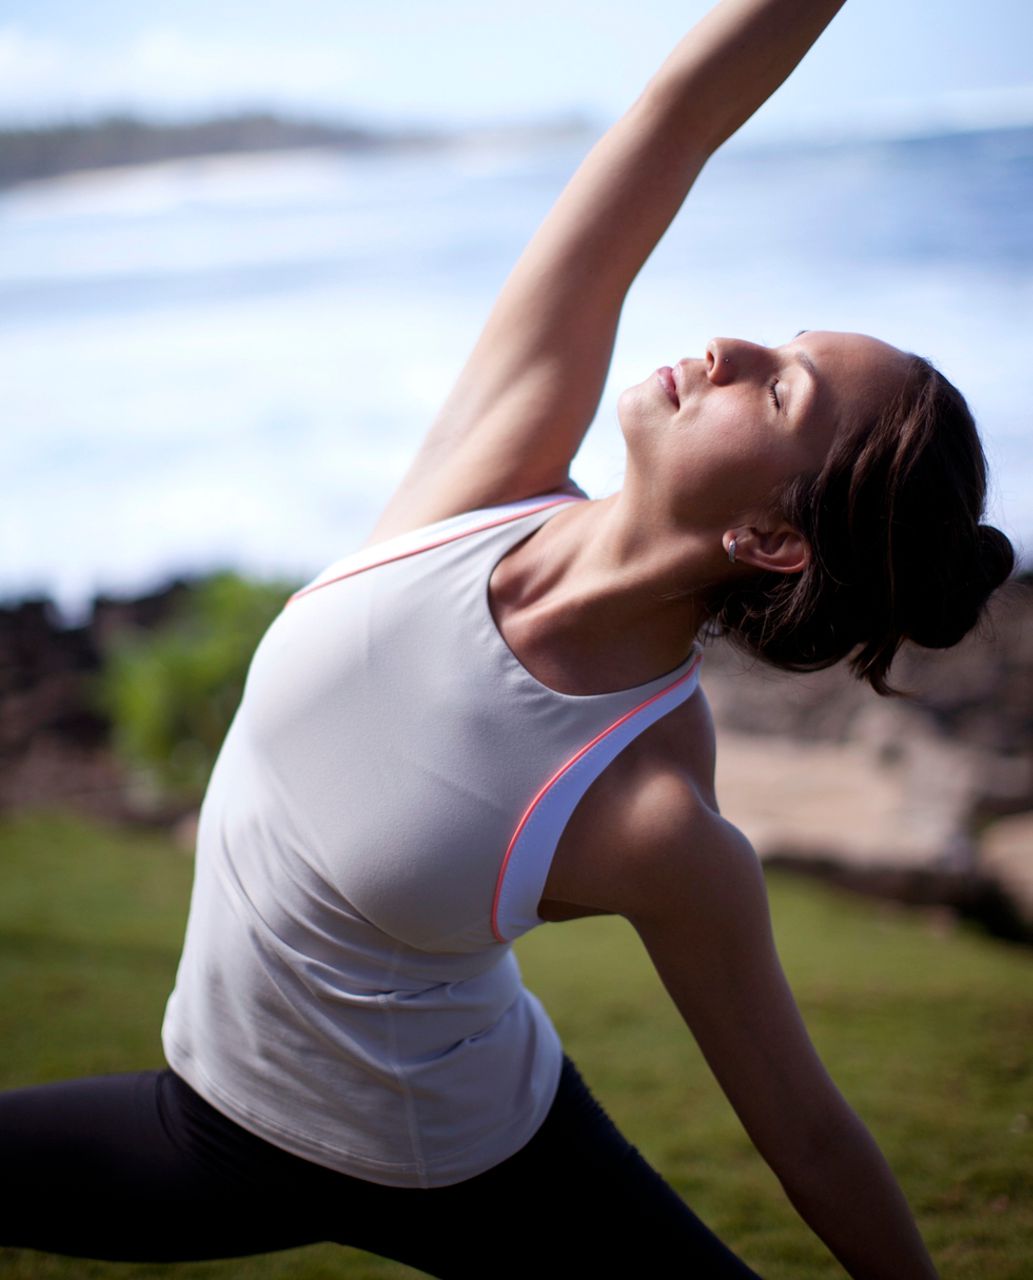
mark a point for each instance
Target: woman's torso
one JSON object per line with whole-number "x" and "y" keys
{"x": 380, "y": 825}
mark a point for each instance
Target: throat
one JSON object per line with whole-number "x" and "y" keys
{"x": 562, "y": 662}
{"x": 581, "y": 647}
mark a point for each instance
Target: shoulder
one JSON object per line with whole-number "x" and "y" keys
{"x": 416, "y": 507}
{"x": 649, "y": 832}
{"x": 661, "y": 789}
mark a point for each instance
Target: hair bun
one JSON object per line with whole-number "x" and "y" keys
{"x": 949, "y": 603}
{"x": 997, "y": 554}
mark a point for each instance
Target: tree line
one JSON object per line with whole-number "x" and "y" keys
{"x": 48, "y": 150}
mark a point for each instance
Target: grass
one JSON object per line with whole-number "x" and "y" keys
{"x": 926, "y": 1027}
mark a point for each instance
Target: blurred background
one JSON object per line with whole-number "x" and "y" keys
{"x": 244, "y": 250}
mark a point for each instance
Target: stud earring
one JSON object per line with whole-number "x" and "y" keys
{"x": 731, "y": 551}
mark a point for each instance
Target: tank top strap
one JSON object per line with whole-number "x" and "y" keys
{"x": 512, "y": 521}
{"x": 592, "y": 728}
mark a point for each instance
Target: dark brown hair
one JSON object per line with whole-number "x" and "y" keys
{"x": 898, "y": 550}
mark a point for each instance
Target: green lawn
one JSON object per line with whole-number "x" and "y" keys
{"x": 927, "y": 1028}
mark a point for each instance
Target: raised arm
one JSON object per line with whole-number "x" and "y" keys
{"x": 531, "y": 386}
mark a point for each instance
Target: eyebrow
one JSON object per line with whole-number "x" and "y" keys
{"x": 807, "y": 364}
{"x": 801, "y": 357}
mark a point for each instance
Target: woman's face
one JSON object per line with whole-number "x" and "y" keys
{"x": 716, "y": 437}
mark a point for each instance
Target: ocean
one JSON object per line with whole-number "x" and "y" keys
{"x": 229, "y": 361}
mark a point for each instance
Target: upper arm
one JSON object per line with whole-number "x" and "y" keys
{"x": 701, "y": 909}
{"x": 531, "y": 386}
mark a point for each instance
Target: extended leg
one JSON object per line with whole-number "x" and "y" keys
{"x": 117, "y": 1167}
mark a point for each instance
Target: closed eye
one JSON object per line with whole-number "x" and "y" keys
{"x": 774, "y": 395}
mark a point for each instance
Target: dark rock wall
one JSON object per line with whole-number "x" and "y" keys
{"x": 54, "y": 740}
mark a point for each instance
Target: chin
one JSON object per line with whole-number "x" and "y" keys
{"x": 631, "y": 412}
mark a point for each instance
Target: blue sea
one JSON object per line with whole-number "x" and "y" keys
{"x": 229, "y": 361}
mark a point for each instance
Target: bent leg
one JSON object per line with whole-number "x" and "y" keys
{"x": 578, "y": 1200}
{"x": 611, "y": 1211}
{"x": 119, "y": 1167}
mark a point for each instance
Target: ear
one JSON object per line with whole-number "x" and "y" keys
{"x": 779, "y": 550}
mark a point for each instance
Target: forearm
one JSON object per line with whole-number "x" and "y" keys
{"x": 849, "y": 1197}
{"x": 734, "y": 59}
{"x": 633, "y": 182}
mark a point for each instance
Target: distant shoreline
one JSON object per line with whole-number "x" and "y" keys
{"x": 53, "y": 150}
{"x": 31, "y": 153}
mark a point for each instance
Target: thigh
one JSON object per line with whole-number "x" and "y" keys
{"x": 118, "y": 1167}
{"x": 578, "y": 1200}
{"x": 610, "y": 1212}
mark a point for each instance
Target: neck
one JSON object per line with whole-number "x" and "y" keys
{"x": 597, "y": 596}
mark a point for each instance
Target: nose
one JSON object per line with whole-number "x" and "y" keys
{"x": 731, "y": 358}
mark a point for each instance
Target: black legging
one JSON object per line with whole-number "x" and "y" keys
{"x": 140, "y": 1167}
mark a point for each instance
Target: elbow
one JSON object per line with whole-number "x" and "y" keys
{"x": 815, "y": 1138}
{"x": 829, "y": 1133}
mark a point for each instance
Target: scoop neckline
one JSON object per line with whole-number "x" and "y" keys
{"x": 692, "y": 660}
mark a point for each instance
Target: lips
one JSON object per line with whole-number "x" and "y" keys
{"x": 666, "y": 376}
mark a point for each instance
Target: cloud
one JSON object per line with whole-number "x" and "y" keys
{"x": 461, "y": 60}
{"x": 162, "y": 70}
{"x": 27, "y": 64}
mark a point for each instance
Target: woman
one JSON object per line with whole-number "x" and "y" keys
{"x": 490, "y": 716}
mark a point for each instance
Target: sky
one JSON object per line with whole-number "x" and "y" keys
{"x": 460, "y": 62}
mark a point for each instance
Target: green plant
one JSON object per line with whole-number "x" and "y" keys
{"x": 171, "y": 691}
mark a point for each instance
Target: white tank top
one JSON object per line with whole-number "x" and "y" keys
{"x": 378, "y": 828}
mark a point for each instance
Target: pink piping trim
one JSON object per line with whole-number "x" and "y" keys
{"x": 556, "y": 777}
{"x": 429, "y": 546}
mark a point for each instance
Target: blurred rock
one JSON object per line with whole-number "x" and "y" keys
{"x": 887, "y": 794}
{"x": 850, "y": 800}
{"x": 54, "y": 739}
{"x": 975, "y": 699}
{"x": 1006, "y": 856}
